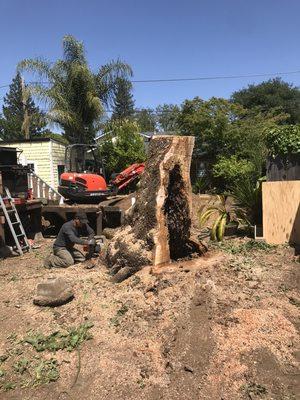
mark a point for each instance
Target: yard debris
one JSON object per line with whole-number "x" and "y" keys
{"x": 53, "y": 292}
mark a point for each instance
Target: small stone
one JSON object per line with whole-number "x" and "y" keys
{"x": 253, "y": 285}
{"x": 187, "y": 368}
{"x": 53, "y": 292}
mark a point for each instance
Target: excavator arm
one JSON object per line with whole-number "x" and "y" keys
{"x": 127, "y": 176}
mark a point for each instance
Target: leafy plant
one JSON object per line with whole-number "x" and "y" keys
{"x": 253, "y": 388}
{"x": 249, "y": 197}
{"x": 6, "y": 386}
{"x": 283, "y": 140}
{"x": 68, "y": 340}
{"x": 21, "y": 365}
{"x": 231, "y": 170}
{"x": 224, "y": 213}
{"x": 201, "y": 184}
{"x": 122, "y": 146}
{"x": 115, "y": 320}
{"x": 46, "y": 372}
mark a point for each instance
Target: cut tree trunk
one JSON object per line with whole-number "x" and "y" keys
{"x": 158, "y": 228}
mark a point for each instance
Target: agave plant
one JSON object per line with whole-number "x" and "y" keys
{"x": 248, "y": 196}
{"x": 225, "y": 212}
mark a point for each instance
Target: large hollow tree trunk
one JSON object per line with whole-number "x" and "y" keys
{"x": 158, "y": 229}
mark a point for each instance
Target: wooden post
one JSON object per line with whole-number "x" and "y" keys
{"x": 99, "y": 223}
{"x": 1, "y": 185}
{"x": 2, "y": 232}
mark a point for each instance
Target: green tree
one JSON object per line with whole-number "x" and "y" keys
{"x": 21, "y": 117}
{"x": 274, "y": 93}
{"x": 123, "y": 146}
{"x": 167, "y": 117}
{"x": 74, "y": 94}
{"x": 123, "y": 101}
{"x": 146, "y": 119}
{"x": 225, "y": 129}
{"x": 283, "y": 141}
{"x": 229, "y": 171}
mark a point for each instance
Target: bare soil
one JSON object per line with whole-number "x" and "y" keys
{"x": 224, "y": 326}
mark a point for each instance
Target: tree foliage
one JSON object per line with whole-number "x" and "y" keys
{"x": 167, "y": 117}
{"x": 146, "y": 120}
{"x": 231, "y": 170}
{"x": 122, "y": 147}
{"x": 283, "y": 140}
{"x": 123, "y": 101}
{"x": 74, "y": 95}
{"x": 20, "y": 114}
{"x": 224, "y": 129}
{"x": 274, "y": 93}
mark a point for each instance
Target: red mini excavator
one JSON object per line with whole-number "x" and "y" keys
{"x": 84, "y": 180}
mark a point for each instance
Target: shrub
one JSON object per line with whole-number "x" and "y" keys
{"x": 283, "y": 140}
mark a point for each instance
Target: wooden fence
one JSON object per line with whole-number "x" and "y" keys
{"x": 281, "y": 212}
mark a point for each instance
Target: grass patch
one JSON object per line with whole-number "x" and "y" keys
{"x": 234, "y": 247}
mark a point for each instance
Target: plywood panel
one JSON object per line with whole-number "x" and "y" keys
{"x": 281, "y": 212}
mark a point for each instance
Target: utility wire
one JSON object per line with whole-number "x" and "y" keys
{"x": 201, "y": 78}
{"x": 207, "y": 78}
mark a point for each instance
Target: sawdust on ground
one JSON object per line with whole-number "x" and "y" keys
{"x": 220, "y": 327}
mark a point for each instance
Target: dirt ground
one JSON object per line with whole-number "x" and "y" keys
{"x": 224, "y": 326}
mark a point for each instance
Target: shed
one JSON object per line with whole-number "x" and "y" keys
{"x": 45, "y": 156}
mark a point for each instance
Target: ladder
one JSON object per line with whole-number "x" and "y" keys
{"x": 14, "y": 223}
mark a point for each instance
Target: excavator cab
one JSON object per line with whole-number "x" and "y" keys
{"x": 84, "y": 178}
{"x": 82, "y": 158}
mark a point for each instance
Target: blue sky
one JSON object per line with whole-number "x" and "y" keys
{"x": 160, "y": 39}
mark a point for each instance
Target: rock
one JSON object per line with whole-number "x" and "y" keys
{"x": 187, "y": 368}
{"x": 53, "y": 292}
{"x": 253, "y": 285}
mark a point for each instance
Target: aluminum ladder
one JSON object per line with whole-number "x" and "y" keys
{"x": 14, "y": 223}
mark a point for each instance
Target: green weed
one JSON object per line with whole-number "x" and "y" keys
{"x": 252, "y": 388}
{"x": 46, "y": 372}
{"x": 6, "y": 386}
{"x": 115, "y": 320}
{"x": 21, "y": 366}
{"x": 58, "y": 340}
{"x": 233, "y": 247}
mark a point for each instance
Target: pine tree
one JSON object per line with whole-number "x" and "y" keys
{"x": 21, "y": 118}
{"x": 123, "y": 101}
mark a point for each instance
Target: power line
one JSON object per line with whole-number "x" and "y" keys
{"x": 207, "y": 78}
{"x": 201, "y": 78}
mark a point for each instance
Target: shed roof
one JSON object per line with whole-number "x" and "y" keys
{"x": 33, "y": 140}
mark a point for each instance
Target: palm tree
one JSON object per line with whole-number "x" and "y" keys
{"x": 74, "y": 95}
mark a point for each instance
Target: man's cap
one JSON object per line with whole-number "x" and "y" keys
{"x": 82, "y": 217}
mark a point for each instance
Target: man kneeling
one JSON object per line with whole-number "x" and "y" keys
{"x": 64, "y": 254}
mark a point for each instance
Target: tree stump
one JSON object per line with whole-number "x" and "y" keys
{"x": 158, "y": 228}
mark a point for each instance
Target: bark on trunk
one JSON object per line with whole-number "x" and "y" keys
{"x": 158, "y": 229}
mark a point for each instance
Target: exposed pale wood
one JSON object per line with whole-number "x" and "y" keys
{"x": 281, "y": 212}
